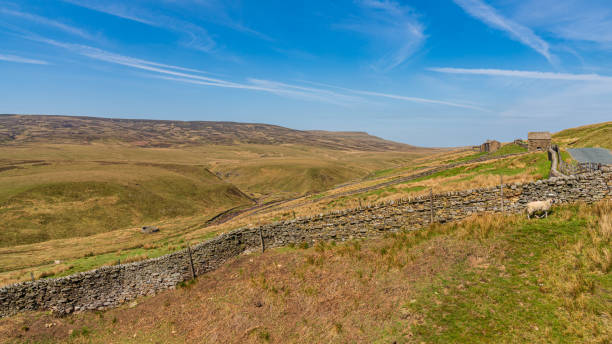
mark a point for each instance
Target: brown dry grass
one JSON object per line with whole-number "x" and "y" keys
{"x": 122, "y": 166}
{"x": 277, "y": 297}
{"x": 432, "y": 285}
{"x": 298, "y": 208}
{"x": 21, "y": 260}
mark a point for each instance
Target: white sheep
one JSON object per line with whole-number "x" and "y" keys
{"x": 539, "y": 206}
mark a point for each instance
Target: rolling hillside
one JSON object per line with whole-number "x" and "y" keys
{"x": 45, "y": 200}
{"x": 594, "y": 135}
{"x": 78, "y": 188}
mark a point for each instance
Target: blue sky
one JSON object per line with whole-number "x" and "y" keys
{"x": 428, "y": 72}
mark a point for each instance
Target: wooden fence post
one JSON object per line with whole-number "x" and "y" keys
{"x": 193, "y": 276}
{"x": 431, "y": 206}
{"x": 263, "y": 244}
{"x": 32, "y": 276}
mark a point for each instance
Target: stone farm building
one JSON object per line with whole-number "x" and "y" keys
{"x": 539, "y": 141}
{"x": 490, "y": 146}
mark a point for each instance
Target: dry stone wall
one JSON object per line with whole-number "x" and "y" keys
{"x": 113, "y": 285}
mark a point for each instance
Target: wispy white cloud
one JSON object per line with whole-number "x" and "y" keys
{"x": 577, "y": 20}
{"x": 194, "y": 76}
{"x": 391, "y": 25}
{"x": 404, "y": 98}
{"x": 277, "y": 88}
{"x": 46, "y": 22}
{"x": 582, "y": 102}
{"x": 102, "y": 55}
{"x": 312, "y": 93}
{"x": 121, "y": 10}
{"x": 19, "y": 59}
{"x": 220, "y": 12}
{"x": 487, "y": 14}
{"x": 525, "y": 74}
{"x": 195, "y": 36}
{"x": 420, "y": 100}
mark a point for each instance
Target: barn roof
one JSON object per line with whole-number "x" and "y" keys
{"x": 539, "y": 135}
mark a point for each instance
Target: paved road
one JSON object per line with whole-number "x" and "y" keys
{"x": 597, "y": 155}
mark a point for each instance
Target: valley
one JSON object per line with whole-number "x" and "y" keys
{"x": 71, "y": 207}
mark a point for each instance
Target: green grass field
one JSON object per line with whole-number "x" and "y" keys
{"x": 509, "y": 148}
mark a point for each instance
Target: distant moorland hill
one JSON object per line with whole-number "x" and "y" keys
{"x": 18, "y": 129}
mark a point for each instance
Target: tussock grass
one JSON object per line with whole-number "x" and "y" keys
{"x": 489, "y": 278}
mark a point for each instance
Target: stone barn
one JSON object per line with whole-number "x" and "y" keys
{"x": 539, "y": 141}
{"x": 490, "y": 146}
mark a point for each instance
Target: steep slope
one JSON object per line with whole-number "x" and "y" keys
{"x": 18, "y": 129}
{"x": 594, "y": 135}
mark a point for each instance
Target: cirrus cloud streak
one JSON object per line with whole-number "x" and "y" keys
{"x": 19, "y": 59}
{"x": 524, "y": 74}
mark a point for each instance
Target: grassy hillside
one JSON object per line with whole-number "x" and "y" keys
{"x": 50, "y": 191}
{"x": 595, "y": 135}
{"x": 83, "y": 203}
{"x": 48, "y": 200}
{"x": 63, "y": 177}
{"x": 524, "y": 168}
{"x": 487, "y": 279}
{"x": 79, "y": 254}
{"x": 289, "y": 177}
